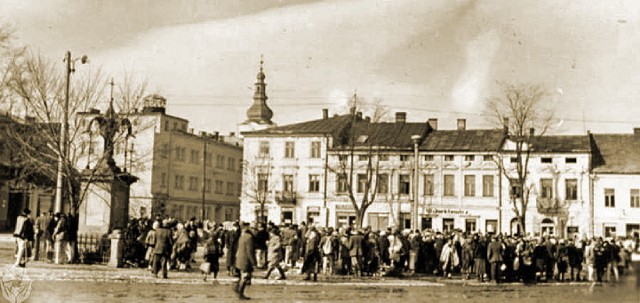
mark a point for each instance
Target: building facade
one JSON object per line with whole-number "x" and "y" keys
{"x": 616, "y": 184}
{"x": 180, "y": 173}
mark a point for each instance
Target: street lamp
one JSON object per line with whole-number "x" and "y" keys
{"x": 416, "y": 176}
{"x": 64, "y": 130}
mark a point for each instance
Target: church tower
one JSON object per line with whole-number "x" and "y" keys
{"x": 259, "y": 114}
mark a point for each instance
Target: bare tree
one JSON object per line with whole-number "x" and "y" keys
{"x": 375, "y": 109}
{"x": 522, "y": 111}
{"x": 37, "y": 85}
{"x": 258, "y": 185}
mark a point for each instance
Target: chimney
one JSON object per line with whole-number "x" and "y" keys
{"x": 636, "y": 131}
{"x": 191, "y": 130}
{"x": 352, "y": 110}
{"x": 359, "y": 115}
{"x": 401, "y": 117}
{"x": 433, "y": 123}
{"x": 232, "y": 134}
{"x": 532, "y": 131}
{"x": 216, "y": 135}
{"x": 325, "y": 113}
{"x": 505, "y": 124}
{"x": 203, "y": 134}
{"x": 462, "y": 124}
{"x": 367, "y": 118}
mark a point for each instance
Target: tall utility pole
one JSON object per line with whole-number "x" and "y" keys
{"x": 416, "y": 176}
{"x": 204, "y": 173}
{"x": 64, "y": 132}
{"x": 64, "y": 129}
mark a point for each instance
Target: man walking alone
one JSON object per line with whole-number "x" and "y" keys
{"x": 245, "y": 260}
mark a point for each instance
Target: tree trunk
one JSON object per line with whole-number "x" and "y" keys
{"x": 522, "y": 222}
{"x": 360, "y": 217}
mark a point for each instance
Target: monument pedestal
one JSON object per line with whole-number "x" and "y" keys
{"x": 105, "y": 206}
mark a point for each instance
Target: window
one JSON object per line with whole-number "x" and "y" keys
{"x": 513, "y": 160}
{"x": 207, "y": 185}
{"x": 264, "y": 149}
{"x": 570, "y": 160}
{"x": 230, "y": 188}
{"x": 287, "y": 183}
{"x": 164, "y": 152}
{"x": 342, "y": 158}
{"x": 546, "y": 160}
{"x": 179, "y": 182}
{"x": 219, "y": 185}
{"x": 363, "y": 158}
{"x": 487, "y": 158}
{"x": 405, "y": 158}
{"x": 571, "y": 189}
{"x": 546, "y": 188}
{"x": 516, "y": 189}
{"x": 487, "y": 186}
{"x": 315, "y": 149}
{"x": 263, "y": 182}
{"x": 289, "y": 149}
{"x": 228, "y": 214}
{"x": 195, "y": 156}
{"x": 469, "y": 158}
{"x": 180, "y": 151}
{"x": 220, "y": 161}
{"x": 635, "y": 198}
{"x": 428, "y": 158}
{"x": 609, "y": 197}
{"x": 209, "y": 160}
{"x": 469, "y": 185}
{"x": 362, "y": 182}
{"x": 193, "y": 183}
{"x": 383, "y": 158}
{"x": 449, "y": 185}
{"x": 448, "y": 158}
{"x": 314, "y": 183}
{"x": 231, "y": 164}
{"x": 341, "y": 183}
{"x": 428, "y": 185}
{"x": 470, "y": 225}
{"x": 404, "y": 184}
{"x": 163, "y": 180}
{"x": 609, "y": 231}
{"x": 447, "y": 225}
{"x": 383, "y": 183}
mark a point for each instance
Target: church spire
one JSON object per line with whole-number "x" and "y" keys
{"x": 259, "y": 112}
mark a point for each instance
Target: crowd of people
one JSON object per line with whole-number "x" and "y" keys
{"x": 56, "y": 231}
{"x": 168, "y": 244}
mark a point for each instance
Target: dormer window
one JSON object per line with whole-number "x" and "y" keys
{"x": 570, "y": 160}
{"x": 546, "y": 160}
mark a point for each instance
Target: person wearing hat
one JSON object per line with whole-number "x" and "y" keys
{"x": 355, "y": 246}
{"x": 23, "y": 234}
{"x": 162, "y": 250}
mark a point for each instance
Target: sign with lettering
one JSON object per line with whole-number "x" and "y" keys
{"x": 446, "y": 211}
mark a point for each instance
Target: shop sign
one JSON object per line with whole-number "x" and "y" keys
{"x": 446, "y": 211}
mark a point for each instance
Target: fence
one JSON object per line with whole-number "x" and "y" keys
{"x": 94, "y": 248}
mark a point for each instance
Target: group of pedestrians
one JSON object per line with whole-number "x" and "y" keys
{"x": 56, "y": 232}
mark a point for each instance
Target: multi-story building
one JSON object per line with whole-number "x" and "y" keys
{"x": 616, "y": 184}
{"x": 557, "y": 181}
{"x": 180, "y": 173}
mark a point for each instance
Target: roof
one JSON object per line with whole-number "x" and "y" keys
{"x": 616, "y": 153}
{"x": 331, "y": 125}
{"x": 464, "y": 140}
{"x": 561, "y": 144}
{"x": 389, "y": 135}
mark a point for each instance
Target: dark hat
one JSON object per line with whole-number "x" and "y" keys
{"x": 26, "y": 211}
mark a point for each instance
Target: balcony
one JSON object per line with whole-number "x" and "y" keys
{"x": 551, "y": 207}
{"x": 286, "y": 197}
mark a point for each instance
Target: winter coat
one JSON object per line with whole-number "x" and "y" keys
{"x": 246, "y": 253}
{"x": 449, "y": 256}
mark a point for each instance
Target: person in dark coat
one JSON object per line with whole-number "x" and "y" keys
{"x": 479, "y": 257}
{"x": 262, "y": 236}
{"x": 562, "y": 260}
{"x": 576, "y": 257}
{"x": 356, "y": 241}
{"x": 245, "y": 260}
{"x": 162, "y": 250}
{"x": 494, "y": 256}
{"x": 231, "y": 243}
{"x": 213, "y": 251}
{"x": 312, "y": 253}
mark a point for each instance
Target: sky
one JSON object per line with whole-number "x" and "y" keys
{"x": 432, "y": 59}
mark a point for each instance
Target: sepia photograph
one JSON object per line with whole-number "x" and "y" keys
{"x": 319, "y": 151}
